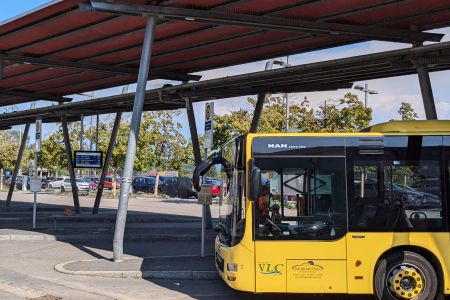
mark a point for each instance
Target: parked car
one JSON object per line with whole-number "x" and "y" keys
{"x": 216, "y": 186}
{"x": 411, "y": 198}
{"x": 82, "y": 185}
{"x": 44, "y": 183}
{"x": 108, "y": 181}
{"x": 428, "y": 185}
{"x": 56, "y": 183}
{"x": 178, "y": 187}
{"x": 417, "y": 200}
{"x": 146, "y": 184}
{"x": 93, "y": 182}
{"x": 19, "y": 182}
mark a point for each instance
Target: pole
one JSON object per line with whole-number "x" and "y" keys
{"x": 17, "y": 165}
{"x": 259, "y": 104}
{"x": 81, "y": 132}
{"x": 132, "y": 140}
{"x": 193, "y": 130}
{"x": 287, "y": 102}
{"x": 34, "y": 193}
{"x": 203, "y": 219}
{"x": 427, "y": 92}
{"x": 101, "y": 182}
{"x": 76, "y": 202}
{"x": 366, "y": 90}
{"x": 96, "y": 133}
{"x": 90, "y": 133}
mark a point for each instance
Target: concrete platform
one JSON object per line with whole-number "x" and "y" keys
{"x": 183, "y": 267}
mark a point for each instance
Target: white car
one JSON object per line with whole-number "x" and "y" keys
{"x": 56, "y": 184}
{"x": 82, "y": 185}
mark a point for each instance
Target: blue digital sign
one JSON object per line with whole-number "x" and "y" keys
{"x": 88, "y": 159}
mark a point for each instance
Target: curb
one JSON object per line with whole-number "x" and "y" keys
{"x": 140, "y": 237}
{"x": 182, "y": 275}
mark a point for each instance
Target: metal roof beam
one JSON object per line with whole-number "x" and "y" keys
{"x": 95, "y": 67}
{"x": 37, "y": 96}
{"x": 265, "y": 22}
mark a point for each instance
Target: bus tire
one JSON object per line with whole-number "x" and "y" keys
{"x": 405, "y": 275}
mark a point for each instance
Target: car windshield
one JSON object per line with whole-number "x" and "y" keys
{"x": 81, "y": 180}
{"x": 213, "y": 181}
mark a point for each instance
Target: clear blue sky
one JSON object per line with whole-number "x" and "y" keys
{"x": 391, "y": 90}
{"x": 9, "y": 9}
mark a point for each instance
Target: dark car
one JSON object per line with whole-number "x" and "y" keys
{"x": 178, "y": 187}
{"x": 145, "y": 184}
{"x": 428, "y": 185}
{"x": 19, "y": 182}
{"x": 44, "y": 183}
{"x": 411, "y": 198}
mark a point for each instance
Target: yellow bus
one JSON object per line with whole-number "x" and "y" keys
{"x": 356, "y": 213}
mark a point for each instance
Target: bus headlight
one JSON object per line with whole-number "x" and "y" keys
{"x": 232, "y": 267}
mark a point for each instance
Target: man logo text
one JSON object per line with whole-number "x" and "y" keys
{"x": 277, "y": 146}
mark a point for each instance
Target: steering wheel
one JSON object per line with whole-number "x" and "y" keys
{"x": 417, "y": 215}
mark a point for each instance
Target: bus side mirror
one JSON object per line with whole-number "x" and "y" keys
{"x": 255, "y": 182}
{"x": 200, "y": 170}
{"x": 203, "y": 168}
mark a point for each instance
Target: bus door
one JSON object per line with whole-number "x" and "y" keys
{"x": 300, "y": 225}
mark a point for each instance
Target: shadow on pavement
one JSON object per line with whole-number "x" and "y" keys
{"x": 174, "y": 235}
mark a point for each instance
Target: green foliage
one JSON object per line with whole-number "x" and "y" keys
{"x": 9, "y": 147}
{"x": 348, "y": 115}
{"x": 407, "y": 112}
{"x": 161, "y": 146}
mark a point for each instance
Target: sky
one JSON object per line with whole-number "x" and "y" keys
{"x": 391, "y": 91}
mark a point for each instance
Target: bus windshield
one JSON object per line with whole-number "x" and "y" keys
{"x": 232, "y": 206}
{"x": 301, "y": 199}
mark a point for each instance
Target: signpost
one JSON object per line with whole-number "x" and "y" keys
{"x": 35, "y": 183}
{"x": 209, "y": 126}
{"x": 205, "y": 195}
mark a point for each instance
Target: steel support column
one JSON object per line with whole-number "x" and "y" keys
{"x": 197, "y": 151}
{"x": 193, "y": 130}
{"x": 132, "y": 140}
{"x": 76, "y": 201}
{"x": 101, "y": 182}
{"x": 17, "y": 165}
{"x": 427, "y": 92}
{"x": 259, "y": 103}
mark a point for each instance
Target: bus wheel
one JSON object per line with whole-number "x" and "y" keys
{"x": 405, "y": 275}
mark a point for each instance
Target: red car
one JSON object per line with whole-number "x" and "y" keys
{"x": 216, "y": 185}
{"x": 107, "y": 184}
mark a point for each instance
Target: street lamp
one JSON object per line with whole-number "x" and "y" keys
{"x": 285, "y": 95}
{"x": 366, "y": 91}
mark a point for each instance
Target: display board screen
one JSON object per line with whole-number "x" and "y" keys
{"x": 88, "y": 159}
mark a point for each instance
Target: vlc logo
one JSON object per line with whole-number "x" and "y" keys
{"x": 270, "y": 269}
{"x": 277, "y": 146}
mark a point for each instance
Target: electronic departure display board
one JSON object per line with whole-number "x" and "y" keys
{"x": 88, "y": 159}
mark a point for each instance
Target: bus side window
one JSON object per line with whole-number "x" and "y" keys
{"x": 400, "y": 195}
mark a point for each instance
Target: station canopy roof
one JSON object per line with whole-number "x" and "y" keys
{"x": 325, "y": 75}
{"x": 74, "y": 46}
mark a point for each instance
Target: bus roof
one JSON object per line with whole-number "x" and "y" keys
{"x": 411, "y": 126}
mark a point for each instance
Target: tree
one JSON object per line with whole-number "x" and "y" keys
{"x": 407, "y": 112}
{"x": 348, "y": 115}
{"x": 161, "y": 146}
{"x": 9, "y": 146}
